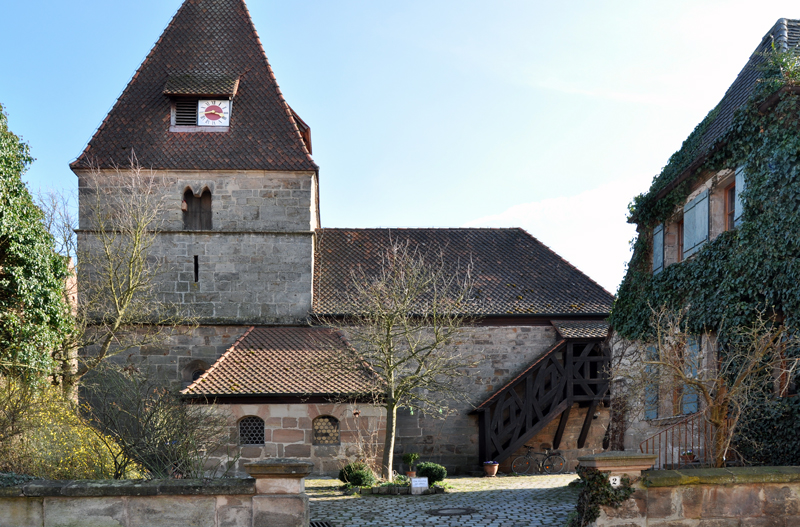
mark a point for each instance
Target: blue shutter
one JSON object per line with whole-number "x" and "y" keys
{"x": 695, "y": 224}
{"x": 738, "y": 204}
{"x": 651, "y": 389}
{"x": 658, "y": 248}
{"x": 690, "y": 398}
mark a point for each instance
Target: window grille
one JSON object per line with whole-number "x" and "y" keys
{"x": 251, "y": 431}
{"x": 326, "y": 430}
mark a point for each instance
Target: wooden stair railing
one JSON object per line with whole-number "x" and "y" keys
{"x": 569, "y": 372}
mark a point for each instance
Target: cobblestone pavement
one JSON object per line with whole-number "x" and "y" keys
{"x": 524, "y": 501}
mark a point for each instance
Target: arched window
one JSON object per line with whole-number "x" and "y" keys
{"x": 196, "y": 211}
{"x": 251, "y": 431}
{"x": 326, "y": 430}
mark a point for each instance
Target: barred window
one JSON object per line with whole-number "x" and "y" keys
{"x": 326, "y": 430}
{"x": 251, "y": 431}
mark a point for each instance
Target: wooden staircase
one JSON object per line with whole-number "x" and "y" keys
{"x": 570, "y": 372}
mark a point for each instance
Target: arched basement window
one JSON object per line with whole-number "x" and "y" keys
{"x": 326, "y": 430}
{"x": 196, "y": 211}
{"x": 251, "y": 431}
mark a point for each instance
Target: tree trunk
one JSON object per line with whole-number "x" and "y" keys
{"x": 388, "y": 442}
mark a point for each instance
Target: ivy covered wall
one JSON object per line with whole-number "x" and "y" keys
{"x": 752, "y": 269}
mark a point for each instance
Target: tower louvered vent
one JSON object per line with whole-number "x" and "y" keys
{"x": 186, "y": 112}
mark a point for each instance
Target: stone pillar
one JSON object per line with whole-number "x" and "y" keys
{"x": 280, "y": 499}
{"x": 619, "y": 463}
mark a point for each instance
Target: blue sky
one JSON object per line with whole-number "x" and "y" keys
{"x": 547, "y": 116}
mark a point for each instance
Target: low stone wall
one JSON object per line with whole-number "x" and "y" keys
{"x": 275, "y": 498}
{"x": 740, "y": 497}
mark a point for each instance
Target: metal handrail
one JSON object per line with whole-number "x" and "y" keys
{"x": 693, "y": 434}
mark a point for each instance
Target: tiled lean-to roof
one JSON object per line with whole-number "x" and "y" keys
{"x": 581, "y": 329}
{"x": 281, "y": 361}
{"x": 209, "y": 46}
{"x": 513, "y": 272}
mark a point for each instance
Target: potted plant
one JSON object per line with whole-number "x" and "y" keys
{"x": 490, "y": 467}
{"x": 687, "y": 456}
{"x": 410, "y": 459}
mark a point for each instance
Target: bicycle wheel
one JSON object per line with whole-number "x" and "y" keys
{"x": 521, "y": 465}
{"x": 554, "y": 464}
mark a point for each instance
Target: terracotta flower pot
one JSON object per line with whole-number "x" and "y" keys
{"x": 491, "y": 470}
{"x": 411, "y": 473}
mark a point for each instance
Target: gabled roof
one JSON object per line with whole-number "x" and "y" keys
{"x": 785, "y": 35}
{"x": 208, "y": 45}
{"x": 281, "y": 361}
{"x": 514, "y": 273}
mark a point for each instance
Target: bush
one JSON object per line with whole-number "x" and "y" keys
{"x": 410, "y": 459}
{"x": 357, "y": 474}
{"x": 47, "y": 437}
{"x": 432, "y": 471}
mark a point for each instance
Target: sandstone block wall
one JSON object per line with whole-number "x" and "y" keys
{"x": 153, "y": 503}
{"x": 734, "y": 497}
{"x": 289, "y": 433}
{"x": 569, "y": 441}
{"x": 502, "y": 353}
{"x": 253, "y": 267}
{"x": 242, "y": 201}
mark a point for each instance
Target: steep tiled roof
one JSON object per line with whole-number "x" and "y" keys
{"x": 581, "y": 329}
{"x": 281, "y": 361}
{"x": 785, "y": 35}
{"x": 514, "y": 273}
{"x": 207, "y": 40}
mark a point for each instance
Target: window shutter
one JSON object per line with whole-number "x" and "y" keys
{"x": 695, "y": 224}
{"x": 689, "y": 397}
{"x": 738, "y": 204}
{"x": 658, "y": 248}
{"x": 651, "y": 389}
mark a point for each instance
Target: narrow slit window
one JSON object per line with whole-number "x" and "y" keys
{"x": 730, "y": 207}
{"x": 196, "y": 268}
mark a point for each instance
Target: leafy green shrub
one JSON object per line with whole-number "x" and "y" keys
{"x": 432, "y": 471}
{"x": 357, "y": 474}
{"x": 409, "y": 459}
{"x": 596, "y": 491}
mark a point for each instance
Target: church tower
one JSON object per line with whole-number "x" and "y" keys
{"x": 205, "y": 114}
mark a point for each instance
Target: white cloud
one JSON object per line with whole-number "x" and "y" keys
{"x": 588, "y": 229}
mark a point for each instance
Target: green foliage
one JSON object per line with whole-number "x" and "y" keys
{"x": 34, "y": 315}
{"x": 596, "y": 491}
{"x": 410, "y": 458}
{"x": 769, "y": 434}
{"x": 434, "y": 472}
{"x": 743, "y": 273}
{"x": 357, "y": 474}
{"x": 49, "y": 439}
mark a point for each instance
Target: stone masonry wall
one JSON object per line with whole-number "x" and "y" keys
{"x": 569, "y": 441}
{"x": 254, "y": 266}
{"x": 502, "y": 353}
{"x": 185, "y": 351}
{"x": 288, "y": 432}
{"x": 733, "y": 497}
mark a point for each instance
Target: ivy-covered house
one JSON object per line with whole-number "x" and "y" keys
{"x": 719, "y": 232}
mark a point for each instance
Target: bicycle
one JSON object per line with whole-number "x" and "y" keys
{"x": 551, "y": 462}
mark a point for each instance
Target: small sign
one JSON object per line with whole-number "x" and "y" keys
{"x": 615, "y": 481}
{"x": 419, "y": 483}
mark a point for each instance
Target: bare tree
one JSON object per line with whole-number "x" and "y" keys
{"x": 404, "y": 319}
{"x": 118, "y": 306}
{"x": 729, "y": 375}
{"x": 144, "y": 423}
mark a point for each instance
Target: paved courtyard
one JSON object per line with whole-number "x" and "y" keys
{"x": 500, "y": 502}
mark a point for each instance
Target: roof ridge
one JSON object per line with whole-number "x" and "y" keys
{"x": 275, "y": 79}
{"x": 136, "y": 73}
